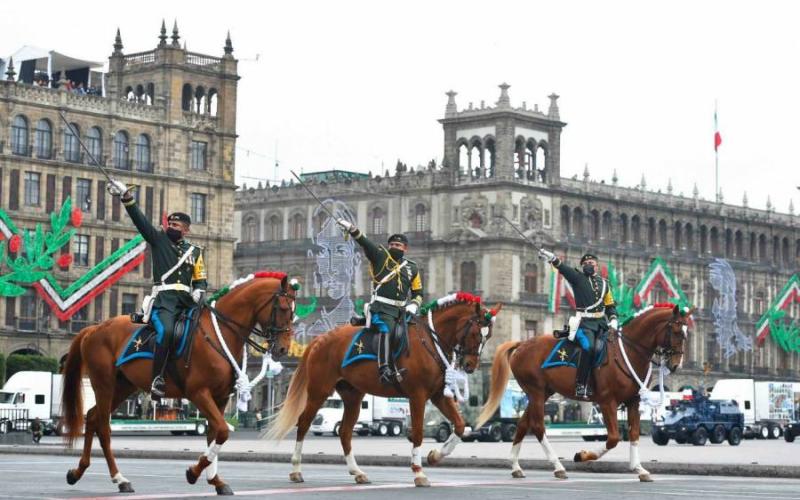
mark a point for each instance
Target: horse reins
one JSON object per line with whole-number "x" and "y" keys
{"x": 457, "y": 348}
{"x": 664, "y": 349}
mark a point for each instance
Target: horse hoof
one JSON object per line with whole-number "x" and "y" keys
{"x": 517, "y": 474}
{"x": 190, "y": 477}
{"x": 422, "y": 482}
{"x": 578, "y": 457}
{"x": 434, "y": 458}
{"x": 224, "y": 490}
{"x": 296, "y": 477}
{"x": 125, "y": 487}
{"x": 645, "y": 478}
{"x": 362, "y": 479}
{"x": 72, "y": 478}
{"x": 560, "y": 474}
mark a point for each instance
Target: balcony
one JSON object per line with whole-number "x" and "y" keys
{"x": 265, "y": 248}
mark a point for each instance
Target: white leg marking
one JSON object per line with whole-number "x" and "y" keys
{"x": 297, "y": 456}
{"x": 551, "y": 454}
{"x": 416, "y": 461}
{"x": 635, "y": 464}
{"x": 450, "y": 444}
{"x": 213, "y": 451}
{"x": 211, "y": 470}
{"x": 600, "y": 452}
{"x": 352, "y": 466}
{"x": 515, "y": 457}
{"x": 119, "y": 479}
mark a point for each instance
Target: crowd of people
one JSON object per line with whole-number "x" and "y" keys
{"x": 78, "y": 88}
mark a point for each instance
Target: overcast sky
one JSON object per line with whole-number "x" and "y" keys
{"x": 357, "y": 85}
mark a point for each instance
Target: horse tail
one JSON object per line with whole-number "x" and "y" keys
{"x": 72, "y": 394}
{"x": 295, "y": 401}
{"x": 500, "y": 374}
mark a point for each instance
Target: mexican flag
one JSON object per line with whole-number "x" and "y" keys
{"x": 717, "y": 136}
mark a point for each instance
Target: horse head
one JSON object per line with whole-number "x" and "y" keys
{"x": 674, "y": 337}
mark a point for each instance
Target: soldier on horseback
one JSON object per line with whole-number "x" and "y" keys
{"x": 394, "y": 278}
{"x": 179, "y": 277}
{"x": 596, "y": 312}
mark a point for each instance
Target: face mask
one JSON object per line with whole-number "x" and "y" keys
{"x": 588, "y": 269}
{"x": 175, "y": 235}
{"x": 396, "y": 253}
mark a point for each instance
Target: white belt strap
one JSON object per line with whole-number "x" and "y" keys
{"x": 173, "y": 286}
{"x": 384, "y": 300}
{"x": 179, "y": 264}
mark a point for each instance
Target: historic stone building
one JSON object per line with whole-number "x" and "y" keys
{"x": 505, "y": 160}
{"x": 167, "y": 123}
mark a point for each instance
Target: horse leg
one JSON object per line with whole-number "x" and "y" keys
{"x": 537, "y": 425}
{"x": 208, "y": 407}
{"x": 450, "y": 411}
{"x": 417, "y": 404}
{"x": 522, "y": 430}
{"x": 633, "y": 435}
{"x": 212, "y": 474}
{"x": 122, "y": 390}
{"x": 351, "y": 398}
{"x": 74, "y": 475}
{"x": 609, "y": 410}
{"x": 316, "y": 397}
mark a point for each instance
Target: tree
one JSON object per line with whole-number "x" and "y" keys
{"x": 30, "y": 362}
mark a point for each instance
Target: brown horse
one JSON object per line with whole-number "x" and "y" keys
{"x": 207, "y": 380}
{"x": 661, "y": 331}
{"x": 458, "y": 323}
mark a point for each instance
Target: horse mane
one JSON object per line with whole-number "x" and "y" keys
{"x": 250, "y": 277}
{"x": 450, "y": 300}
{"x": 637, "y": 317}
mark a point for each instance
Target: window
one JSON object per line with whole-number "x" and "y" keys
{"x": 83, "y": 195}
{"x": 198, "y": 204}
{"x": 44, "y": 139}
{"x": 129, "y": 302}
{"x": 378, "y": 221}
{"x": 468, "y": 277}
{"x": 298, "y": 227}
{"x": 81, "y": 254}
{"x": 199, "y": 152}
{"x": 79, "y": 320}
{"x": 530, "y": 329}
{"x": 94, "y": 143}
{"x": 32, "y": 181}
{"x": 121, "y": 151}
{"x": 250, "y": 230}
{"x": 19, "y": 136}
{"x": 72, "y": 152}
{"x": 143, "y": 163}
{"x": 530, "y": 277}
{"x": 421, "y": 218}
{"x": 27, "y": 311}
{"x": 273, "y": 230}
{"x": 38, "y": 399}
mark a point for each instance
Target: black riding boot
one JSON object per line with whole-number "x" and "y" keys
{"x": 160, "y": 355}
{"x": 582, "y": 389}
{"x": 385, "y": 371}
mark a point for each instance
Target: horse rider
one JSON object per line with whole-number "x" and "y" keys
{"x": 394, "y": 279}
{"x": 179, "y": 277}
{"x": 596, "y": 312}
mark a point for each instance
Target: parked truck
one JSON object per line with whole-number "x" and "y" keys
{"x": 698, "y": 420}
{"x": 378, "y": 416}
{"x": 767, "y": 406}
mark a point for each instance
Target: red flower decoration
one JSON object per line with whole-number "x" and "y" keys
{"x": 637, "y": 301}
{"x": 64, "y": 261}
{"x": 76, "y": 217}
{"x": 15, "y": 244}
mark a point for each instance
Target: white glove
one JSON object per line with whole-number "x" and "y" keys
{"x": 197, "y": 295}
{"x": 547, "y": 255}
{"x": 347, "y": 226}
{"x": 412, "y": 308}
{"x": 117, "y": 188}
{"x": 613, "y": 324}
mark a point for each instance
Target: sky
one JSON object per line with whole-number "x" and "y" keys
{"x": 358, "y": 85}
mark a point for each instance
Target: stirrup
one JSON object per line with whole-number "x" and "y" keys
{"x": 159, "y": 388}
{"x": 583, "y": 391}
{"x": 387, "y": 375}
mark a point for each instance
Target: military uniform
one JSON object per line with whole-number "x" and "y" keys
{"x": 395, "y": 283}
{"x": 174, "y": 295}
{"x": 595, "y": 305}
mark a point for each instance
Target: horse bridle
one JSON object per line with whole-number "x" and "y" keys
{"x": 485, "y": 327}
{"x": 664, "y": 349}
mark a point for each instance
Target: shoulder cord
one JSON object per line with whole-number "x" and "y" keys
{"x": 176, "y": 266}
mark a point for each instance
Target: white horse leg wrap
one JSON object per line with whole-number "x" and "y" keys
{"x": 515, "y": 456}
{"x": 119, "y": 478}
{"x": 352, "y": 466}
{"x": 297, "y": 456}
{"x": 551, "y": 454}
{"x": 211, "y": 470}
{"x": 450, "y": 444}
{"x": 636, "y": 464}
{"x": 600, "y": 452}
{"x": 212, "y": 451}
{"x": 416, "y": 462}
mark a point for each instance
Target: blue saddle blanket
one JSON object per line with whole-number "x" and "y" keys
{"x": 364, "y": 346}
{"x": 142, "y": 341}
{"x": 565, "y": 353}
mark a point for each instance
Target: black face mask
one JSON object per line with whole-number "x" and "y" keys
{"x": 588, "y": 269}
{"x": 396, "y": 253}
{"x": 175, "y": 235}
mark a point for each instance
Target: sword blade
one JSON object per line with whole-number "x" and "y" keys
{"x": 91, "y": 156}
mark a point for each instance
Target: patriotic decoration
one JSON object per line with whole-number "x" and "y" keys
{"x": 717, "y": 136}
{"x": 559, "y": 288}
{"x": 774, "y": 322}
{"x": 658, "y": 275}
{"x": 30, "y": 256}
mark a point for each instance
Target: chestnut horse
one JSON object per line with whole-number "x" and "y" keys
{"x": 207, "y": 379}
{"x": 661, "y": 330}
{"x": 459, "y": 323}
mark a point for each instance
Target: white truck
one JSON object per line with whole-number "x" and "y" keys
{"x": 767, "y": 406}
{"x": 28, "y": 395}
{"x": 378, "y": 416}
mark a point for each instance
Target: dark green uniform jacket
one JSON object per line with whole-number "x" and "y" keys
{"x": 588, "y": 291}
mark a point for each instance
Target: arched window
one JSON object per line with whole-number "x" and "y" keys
{"x": 595, "y": 225}
{"x": 762, "y": 248}
{"x": 44, "y": 139}
{"x": 273, "y": 229}
{"x": 420, "y": 218}
{"x": 677, "y": 236}
{"x": 199, "y": 100}
{"x": 776, "y": 250}
{"x": 714, "y": 241}
{"x": 786, "y": 260}
{"x": 489, "y": 160}
{"x": 703, "y": 240}
{"x": 19, "y": 136}
{"x": 463, "y": 158}
{"x": 530, "y": 277}
{"x": 130, "y": 95}
{"x": 298, "y": 227}
{"x": 121, "y": 159}
{"x": 186, "y": 97}
{"x": 565, "y": 222}
{"x": 577, "y": 222}
{"x": 250, "y": 232}
{"x": 662, "y": 233}
{"x": 623, "y": 228}
{"x": 469, "y": 277}
{"x": 378, "y": 221}
{"x": 606, "y": 229}
{"x": 476, "y": 158}
{"x": 738, "y": 245}
{"x": 213, "y": 102}
{"x": 72, "y": 151}
{"x": 94, "y": 143}
{"x": 753, "y": 247}
{"x": 689, "y": 232}
{"x": 475, "y": 220}
{"x": 636, "y": 230}
{"x": 151, "y": 93}
{"x": 728, "y": 243}
{"x": 143, "y": 163}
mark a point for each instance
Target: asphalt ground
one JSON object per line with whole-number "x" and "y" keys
{"x": 43, "y": 477}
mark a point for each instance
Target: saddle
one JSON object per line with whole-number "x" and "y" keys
{"x": 142, "y": 341}
{"x": 364, "y": 345}
{"x": 565, "y": 353}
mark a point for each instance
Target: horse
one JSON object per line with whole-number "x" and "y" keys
{"x": 206, "y": 377}
{"x": 660, "y": 330}
{"x": 456, "y": 324}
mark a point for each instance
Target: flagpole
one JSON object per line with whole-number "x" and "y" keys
{"x": 716, "y": 155}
